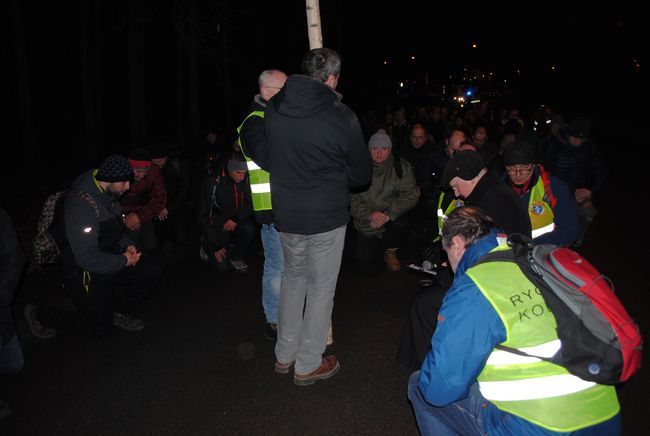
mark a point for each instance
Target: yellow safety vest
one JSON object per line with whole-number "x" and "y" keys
{"x": 540, "y": 212}
{"x": 538, "y": 391}
{"x": 259, "y": 179}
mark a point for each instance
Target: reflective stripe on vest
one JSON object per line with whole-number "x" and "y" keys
{"x": 540, "y": 212}
{"x": 443, "y": 214}
{"x": 536, "y": 390}
{"x": 258, "y": 178}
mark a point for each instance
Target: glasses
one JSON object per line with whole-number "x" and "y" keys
{"x": 520, "y": 170}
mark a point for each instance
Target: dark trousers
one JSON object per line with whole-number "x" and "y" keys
{"x": 144, "y": 237}
{"x": 97, "y": 300}
{"x": 393, "y": 237}
{"x": 174, "y": 229}
{"x": 422, "y": 321}
{"x": 236, "y": 242}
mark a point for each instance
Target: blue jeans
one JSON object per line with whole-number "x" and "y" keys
{"x": 11, "y": 355}
{"x": 273, "y": 268}
{"x": 462, "y": 417}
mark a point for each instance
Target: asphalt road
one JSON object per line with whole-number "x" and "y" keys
{"x": 203, "y": 367}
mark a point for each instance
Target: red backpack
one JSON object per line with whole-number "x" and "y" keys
{"x": 600, "y": 341}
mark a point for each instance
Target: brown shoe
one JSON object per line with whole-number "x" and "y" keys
{"x": 392, "y": 262}
{"x": 284, "y": 368}
{"x": 328, "y": 367}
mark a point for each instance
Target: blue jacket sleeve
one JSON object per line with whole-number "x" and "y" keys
{"x": 567, "y": 226}
{"x": 468, "y": 330}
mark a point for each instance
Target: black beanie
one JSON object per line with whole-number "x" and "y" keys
{"x": 115, "y": 168}
{"x": 518, "y": 152}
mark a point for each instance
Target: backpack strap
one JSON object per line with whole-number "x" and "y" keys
{"x": 86, "y": 196}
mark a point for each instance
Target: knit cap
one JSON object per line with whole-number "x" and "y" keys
{"x": 115, "y": 168}
{"x": 380, "y": 140}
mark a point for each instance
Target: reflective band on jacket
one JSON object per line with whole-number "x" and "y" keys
{"x": 258, "y": 178}
{"x": 540, "y": 212}
{"x": 260, "y": 188}
{"x": 503, "y": 357}
{"x": 534, "y": 389}
{"x": 546, "y": 229}
{"x": 443, "y": 214}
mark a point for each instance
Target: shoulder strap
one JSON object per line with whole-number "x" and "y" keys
{"x": 86, "y": 196}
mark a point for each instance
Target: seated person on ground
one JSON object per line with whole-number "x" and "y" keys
{"x": 379, "y": 214}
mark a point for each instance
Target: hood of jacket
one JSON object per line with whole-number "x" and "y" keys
{"x": 303, "y": 96}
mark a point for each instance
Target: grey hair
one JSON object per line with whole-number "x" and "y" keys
{"x": 320, "y": 63}
{"x": 265, "y": 76}
{"x": 469, "y": 222}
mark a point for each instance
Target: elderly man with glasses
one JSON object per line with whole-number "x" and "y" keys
{"x": 552, "y": 210}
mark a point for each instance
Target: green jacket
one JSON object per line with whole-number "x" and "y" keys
{"x": 388, "y": 193}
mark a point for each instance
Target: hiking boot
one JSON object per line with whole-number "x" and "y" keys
{"x": 328, "y": 367}
{"x": 35, "y": 325}
{"x": 127, "y": 322}
{"x": 284, "y": 368}
{"x": 392, "y": 262}
{"x": 239, "y": 266}
{"x": 271, "y": 331}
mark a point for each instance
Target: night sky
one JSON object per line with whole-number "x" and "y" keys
{"x": 61, "y": 58}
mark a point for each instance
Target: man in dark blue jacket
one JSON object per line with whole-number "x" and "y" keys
{"x": 100, "y": 256}
{"x": 317, "y": 153}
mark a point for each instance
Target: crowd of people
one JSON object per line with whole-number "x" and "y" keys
{"x": 303, "y": 171}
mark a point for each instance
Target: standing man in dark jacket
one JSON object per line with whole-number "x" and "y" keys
{"x": 11, "y": 268}
{"x": 317, "y": 153}
{"x": 100, "y": 256}
{"x": 254, "y": 145}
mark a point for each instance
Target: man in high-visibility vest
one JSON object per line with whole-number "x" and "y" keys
{"x": 466, "y": 384}
{"x": 252, "y": 139}
{"x": 552, "y": 209}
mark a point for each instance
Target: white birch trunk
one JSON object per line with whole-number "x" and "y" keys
{"x": 313, "y": 24}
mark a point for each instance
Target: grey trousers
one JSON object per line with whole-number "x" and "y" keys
{"x": 311, "y": 269}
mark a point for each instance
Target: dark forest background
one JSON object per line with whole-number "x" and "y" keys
{"x": 84, "y": 79}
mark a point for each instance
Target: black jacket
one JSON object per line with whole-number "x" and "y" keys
{"x": 317, "y": 154}
{"x": 11, "y": 267}
{"x": 501, "y": 204}
{"x": 221, "y": 200}
{"x": 96, "y": 244}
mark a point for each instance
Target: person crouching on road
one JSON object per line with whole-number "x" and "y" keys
{"x": 225, "y": 216}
